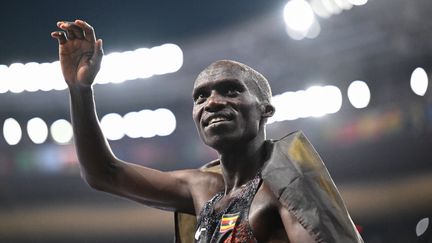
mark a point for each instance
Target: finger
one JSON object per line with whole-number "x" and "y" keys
{"x": 59, "y": 23}
{"x": 77, "y": 31}
{"x": 70, "y": 34}
{"x": 73, "y": 31}
{"x": 98, "y": 53}
{"x": 64, "y": 25}
{"x": 60, "y": 36}
{"x": 89, "y": 33}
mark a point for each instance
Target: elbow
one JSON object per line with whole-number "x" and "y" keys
{"x": 103, "y": 178}
{"x": 95, "y": 183}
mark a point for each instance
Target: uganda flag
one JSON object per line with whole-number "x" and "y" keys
{"x": 228, "y": 222}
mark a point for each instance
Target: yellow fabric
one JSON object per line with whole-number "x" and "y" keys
{"x": 185, "y": 227}
{"x": 309, "y": 161}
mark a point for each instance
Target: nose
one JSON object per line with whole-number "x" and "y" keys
{"x": 215, "y": 102}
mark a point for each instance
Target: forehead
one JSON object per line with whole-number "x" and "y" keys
{"x": 216, "y": 74}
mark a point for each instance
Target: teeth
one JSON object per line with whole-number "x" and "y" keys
{"x": 217, "y": 119}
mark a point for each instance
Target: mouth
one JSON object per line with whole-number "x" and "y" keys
{"x": 217, "y": 118}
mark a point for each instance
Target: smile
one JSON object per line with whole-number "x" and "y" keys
{"x": 217, "y": 118}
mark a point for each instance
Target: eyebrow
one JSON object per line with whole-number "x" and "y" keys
{"x": 228, "y": 81}
{"x": 197, "y": 90}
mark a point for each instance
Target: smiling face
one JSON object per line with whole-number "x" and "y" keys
{"x": 227, "y": 110}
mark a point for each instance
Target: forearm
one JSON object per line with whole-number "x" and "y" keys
{"x": 103, "y": 171}
{"x": 98, "y": 164}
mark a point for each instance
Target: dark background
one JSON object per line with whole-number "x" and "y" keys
{"x": 380, "y": 157}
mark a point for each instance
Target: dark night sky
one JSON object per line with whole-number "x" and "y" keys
{"x": 26, "y": 25}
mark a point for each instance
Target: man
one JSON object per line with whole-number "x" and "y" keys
{"x": 231, "y": 106}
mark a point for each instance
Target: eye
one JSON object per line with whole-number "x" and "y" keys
{"x": 200, "y": 97}
{"x": 232, "y": 92}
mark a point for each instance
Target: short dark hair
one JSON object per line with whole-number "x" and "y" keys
{"x": 261, "y": 86}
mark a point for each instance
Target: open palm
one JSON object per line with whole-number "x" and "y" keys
{"x": 79, "y": 52}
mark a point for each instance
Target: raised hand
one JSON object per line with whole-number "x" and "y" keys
{"x": 79, "y": 52}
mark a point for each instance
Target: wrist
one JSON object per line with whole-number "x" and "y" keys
{"x": 79, "y": 89}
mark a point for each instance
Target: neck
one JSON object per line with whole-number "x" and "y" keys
{"x": 241, "y": 163}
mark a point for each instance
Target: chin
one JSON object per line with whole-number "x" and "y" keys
{"x": 226, "y": 141}
{"x": 219, "y": 141}
{"x": 219, "y": 146}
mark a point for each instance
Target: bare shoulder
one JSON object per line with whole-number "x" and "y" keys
{"x": 264, "y": 217}
{"x": 203, "y": 185}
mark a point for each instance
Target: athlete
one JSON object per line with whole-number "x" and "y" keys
{"x": 230, "y": 110}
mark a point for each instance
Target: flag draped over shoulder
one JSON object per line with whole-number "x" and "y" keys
{"x": 299, "y": 178}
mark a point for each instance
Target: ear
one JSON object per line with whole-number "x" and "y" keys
{"x": 267, "y": 110}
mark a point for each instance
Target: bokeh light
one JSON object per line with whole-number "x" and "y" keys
{"x": 419, "y": 81}
{"x": 112, "y": 126}
{"x": 359, "y": 94}
{"x": 37, "y": 130}
{"x": 61, "y": 131}
{"x": 12, "y": 131}
{"x": 298, "y": 15}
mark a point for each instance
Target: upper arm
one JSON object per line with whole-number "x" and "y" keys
{"x": 155, "y": 188}
{"x": 295, "y": 231}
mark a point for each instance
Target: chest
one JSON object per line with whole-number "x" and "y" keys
{"x": 264, "y": 218}
{"x": 256, "y": 215}
{"x": 225, "y": 218}
{"x": 256, "y": 209}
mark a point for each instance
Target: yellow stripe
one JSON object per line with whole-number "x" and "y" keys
{"x": 230, "y": 218}
{"x": 227, "y": 226}
{"x": 223, "y": 229}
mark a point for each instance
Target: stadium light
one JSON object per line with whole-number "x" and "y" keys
{"x": 419, "y": 81}
{"x": 115, "y": 68}
{"x": 61, "y": 131}
{"x": 359, "y": 94}
{"x": 316, "y": 101}
{"x": 12, "y": 131}
{"x": 37, "y": 130}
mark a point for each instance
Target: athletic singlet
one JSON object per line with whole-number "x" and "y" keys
{"x": 230, "y": 225}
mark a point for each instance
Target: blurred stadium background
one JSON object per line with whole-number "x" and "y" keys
{"x": 352, "y": 74}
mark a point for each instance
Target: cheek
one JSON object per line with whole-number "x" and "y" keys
{"x": 252, "y": 118}
{"x": 196, "y": 117}
{"x": 195, "y": 114}
{"x": 251, "y": 112}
